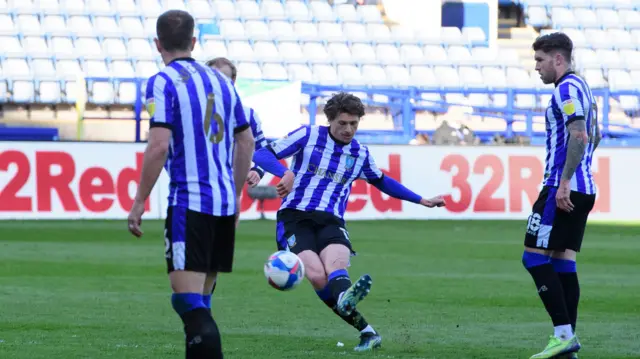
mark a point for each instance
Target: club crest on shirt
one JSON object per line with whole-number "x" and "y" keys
{"x": 350, "y": 162}
{"x": 151, "y": 106}
{"x": 568, "y": 107}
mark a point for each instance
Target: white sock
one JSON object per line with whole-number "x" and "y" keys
{"x": 368, "y": 329}
{"x": 340, "y": 296}
{"x": 563, "y": 332}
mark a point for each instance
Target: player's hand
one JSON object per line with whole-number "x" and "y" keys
{"x": 286, "y": 184}
{"x": 563, "y": 196}
{"x": 437, "y": 201}
{"x": 135, "y": 218}
{"x": 253, "y": 178}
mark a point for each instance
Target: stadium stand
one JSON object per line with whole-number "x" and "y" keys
{"x": 45, "y": 44}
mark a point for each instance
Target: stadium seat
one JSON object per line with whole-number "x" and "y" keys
{"x": 249, "y": 70}
{"x": 356, "y": 32}
{"x": 49, "y": 92}
{"x": 363, "y": 53}
{"x": 321, "y": 11}
{"x": 369, "y": 14}
{"x": 350, "y": 75}
{"x": 35, "y": 46}
{"x": 272, "y": 10}
{"x": 330, "y": 31}
{"x": 274, "y": 72}
{"x": 325, "y": 75}
{"x": 43, "y": 68}
{"x": 300, "y": 72}
{"x": 297, "y": 11}
{"x": 23, "y": 91}
{"x": 281, "y": 30}
{"x": 435, "y": 54}
{"x": 347, "y": 13}
{"x": 266, "y": 51}
{"x": 315, "y": 52}
{"x": 397, "y": 76}
{"x": 306, "y": 31}
{"x": 19, "y": 67}
{"x": 248, "y": 10}
{"x": 537, "y": 16}
{"x": 225, "y": 10}
{"x": 123, "y": 68}
{"x": 340, "y": 53}
{"x": 403, "y": 34}
{"x": 291, "y": 52}
{"x": 411, "y": 54}
{"x": 388, "y": 54}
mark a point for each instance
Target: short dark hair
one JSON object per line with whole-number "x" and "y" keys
{"x": 343, "y": 103}
{"x": 175, "y": 30}
{"x": 222, "y": 61}
{"x": 556, "y": 41}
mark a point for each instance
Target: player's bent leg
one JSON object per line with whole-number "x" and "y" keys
{"x": 314, "y": 270}
{"x": 564, "y": 263}
{"x": 336, "y": 259}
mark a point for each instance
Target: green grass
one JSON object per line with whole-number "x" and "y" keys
{"x": 87, "y": 289}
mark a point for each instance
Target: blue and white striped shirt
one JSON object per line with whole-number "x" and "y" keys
{"x": 324, "y": 169}
{"x": 203, "y": 110}
{"x": 572, "y": 99}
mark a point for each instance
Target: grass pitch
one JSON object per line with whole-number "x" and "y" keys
{"x": 87, "y": 289}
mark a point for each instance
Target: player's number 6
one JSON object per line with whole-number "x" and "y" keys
{"x": 214, "y": 138}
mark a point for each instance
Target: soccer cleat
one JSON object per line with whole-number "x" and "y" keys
{"x": 557, "y": 347}
{"x": 352, "y": 296}
{"x": 368, "y": 341}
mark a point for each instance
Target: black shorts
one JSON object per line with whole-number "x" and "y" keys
{"x": 298, "y": 231}
{"x": 554, "y": 229}
{"x": 198, "y": 242}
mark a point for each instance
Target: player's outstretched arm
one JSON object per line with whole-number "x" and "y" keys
{"x": 395, "y": 189}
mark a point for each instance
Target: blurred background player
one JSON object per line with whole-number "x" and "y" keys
{"x": 193, "y": 136}
{"x": 227, "y": 67}
{"x": 558, "y": 220}
{"x": 310, "y": 223}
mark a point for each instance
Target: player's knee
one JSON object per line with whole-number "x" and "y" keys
{"x": 335, "y": 257}
{"x": 186, "y": 302}
{"x": 318, "y": 278}
{"x": 532, "y": 259}
{"x": 561, "y": 265}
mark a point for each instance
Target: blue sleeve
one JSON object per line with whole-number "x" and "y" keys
{"x": 394, "y": 189}
{"x": 266, "y": 159}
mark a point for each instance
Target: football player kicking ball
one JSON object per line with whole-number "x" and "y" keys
{"x": 326, "y": 161}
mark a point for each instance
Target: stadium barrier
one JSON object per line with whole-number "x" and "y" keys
{"x": 278, "y": 104}
{"x": 55, "y": 180}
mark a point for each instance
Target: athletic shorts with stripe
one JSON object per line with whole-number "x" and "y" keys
{"x": 198, "y": 242}
{"x": 554, "y": 229}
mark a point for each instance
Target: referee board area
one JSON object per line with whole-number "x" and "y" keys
{"x": 453, "y": 106}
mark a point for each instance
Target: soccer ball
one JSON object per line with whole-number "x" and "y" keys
{"x": 284, "y": 270}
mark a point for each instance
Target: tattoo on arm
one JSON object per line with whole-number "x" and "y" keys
{"x": 576, "y": 146}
